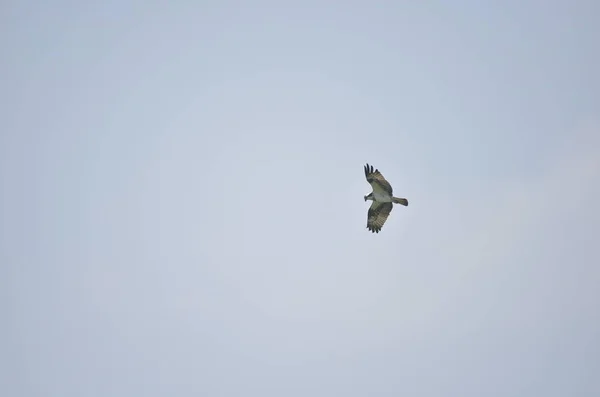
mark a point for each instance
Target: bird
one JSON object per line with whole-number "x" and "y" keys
{"x": 382, "y": 197}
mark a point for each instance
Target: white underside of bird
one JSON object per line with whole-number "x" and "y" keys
{"x": 380, "y": 197}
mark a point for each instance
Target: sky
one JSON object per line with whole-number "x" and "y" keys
{"x": 182, "y": 212}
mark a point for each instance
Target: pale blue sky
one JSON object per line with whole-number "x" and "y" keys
{"x": 182, "y": 198}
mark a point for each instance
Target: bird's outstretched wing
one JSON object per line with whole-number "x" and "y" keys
{"x": 377, "y": 215}
{"x": 377, "y": 180}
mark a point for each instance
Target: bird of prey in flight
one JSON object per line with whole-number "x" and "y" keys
{"x": 382, "y": 197}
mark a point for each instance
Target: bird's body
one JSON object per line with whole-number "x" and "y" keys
{"x": 382, "y": 197}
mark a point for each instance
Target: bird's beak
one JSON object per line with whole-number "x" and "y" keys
{"x": 365, "y": 198}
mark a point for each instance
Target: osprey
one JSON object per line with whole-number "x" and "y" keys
{"x": 382, "y": 197}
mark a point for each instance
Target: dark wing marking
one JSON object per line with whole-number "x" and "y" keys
{"x": 377, "y": 180}
{"x": 377, "y": 215}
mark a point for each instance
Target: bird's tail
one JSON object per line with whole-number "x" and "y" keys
{"x": 402, "y": 201}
